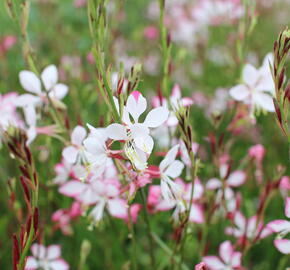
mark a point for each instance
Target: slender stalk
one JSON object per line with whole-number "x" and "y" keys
{"x": 149, "y": 231}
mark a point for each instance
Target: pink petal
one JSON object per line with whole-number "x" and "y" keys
{"x": 49, "y": 77}
{"x": 196, "y": 214}
{"x": 236, "y": 259}
{"x": 279, "y": 225}
{"x": 118, "y": 208}
{"x": 283, "y": 245}
{"x": 237, "y": 178}
{"x": 213, "y": 183}
{"x": 72, "y": 188}
{"x": 38, "y": 251}
{"x": 156, "y": 117}
{"x": 287, "y": 207}
{"x": 214, "y": 263}
{"x": 226, "y": 251}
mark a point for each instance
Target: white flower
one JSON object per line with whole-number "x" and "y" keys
{"x": 46, "y": 258}
{"x": 32, "y": 84}
{"x": 135, "y": 134}
{"x": 257, "y": 88}
{"x": 75, "y": 152}
{"x": 170, "y": 168}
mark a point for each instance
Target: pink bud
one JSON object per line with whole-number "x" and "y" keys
{"x": 200, "y": 266}
{"x": 285, "y": 183}
{"x": 258, "y": 152}
{"x": 151, "y": 32}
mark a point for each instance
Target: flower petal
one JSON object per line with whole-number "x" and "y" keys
{"x": 31, "y": 263}
{"x": 72, "y": 188}
{"x": 70, "y": 154}
{"x": 283, "y": 245}
{"x": 264, "y": 101}
{"x": 169, "y": 158}
{"x": 213, "y": 183}
{"x": 145, "y": 143}
{"x": 117, "y": 132}
{"x": 59, "y": 91}
{"x": 250, "y": 75}
{"x": 136, "y": 105}
{"x": 236, "y": 179}
{"x": 30, "y": 82}
{"x": 287, "y": 207}
{"x": 59, "y": 264}
{"x": 174, "y": 169}
{"x": 214, "y": 263}
{"x": 38, "y": 251}
{"x": 156, "y": 117}
{"x": 53, "y": 252}
{"x": 49, "y": 77}
{"x": 196, "y": 214}
{"x": 279, "y": 225}
{"x": 78, "y": 135}
{"x": 225, "y": 251}
{"x": 239, "y": 92}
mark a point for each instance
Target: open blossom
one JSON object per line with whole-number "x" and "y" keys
{"x": 63, "y": 217}
{"x": 228, "y": 258}
{"x": 47, "y": 258}
{"x": 9, "y": 115}
{"x": 32, "y": 84}
{"x": 169, "y": 169}
{"x": 282, "y": 227}
{"x": 257, "y": 88}
{"x": 75, "y": 152}
{"x": 249, "y": 228}
{"x": 138, "y": 142}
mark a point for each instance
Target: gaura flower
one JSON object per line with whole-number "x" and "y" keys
{"x": 138, "y": 142}
{"x": 170, "y": 168}
{"x": 32, "y": 84}
{"x": 75, "y": 152}
{"x": 282, "y": 227}
{"x": 257, "y": 88}
{"x": 228, "y": 258}
{"x": 46, "y": 258}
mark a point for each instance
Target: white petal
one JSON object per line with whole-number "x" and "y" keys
{"x": 250, "y": 75}
{"x": 117, "y": 132}
{"x": 239, "y": 92}
{"x": 279, "y": 225}
{"x": 78, "y": 135}
{"x": 213, "y": 183}
{"x": 283, "y": 245}
{"x": 169, "y": 158}
{"x": 196, "y": 214}
{"x": 136, "y": 105}
{"x": 156, "y": 117}
{"x": 30, "y": 115}
{"x": 49, "y": 77}
{"x": 174, "y": 169}
{"x": 236, "y": 259}
{"x": 59, "y": 91}
{"x": 214, "y": 263}
{"x": 30, "y": 82}
{"x": 118, "y": 208}
{"x": 38, "y": 251}
{"x": 28, "y": 100}
{"x": 226, "y": 251}
{"x": 70, "y": 154}
{"x": 93, "y": 146}
{"x": 139, "y": 130}
{"x": 240, "y": 220}
{"x": 236, "y": 179}
{"x": 53, "y": 252}
{"x": 145, "y": 143}
{"x": 59, "y": 264}
{"x": 265, "y": 101}
{"x": 72, "y": 188}
{"x": 287, "y": 207}
{"x": 31, "y": 263}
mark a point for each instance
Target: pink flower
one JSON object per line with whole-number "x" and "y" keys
{"x": 228, "y": 258}
{"x": 249, "y": 228}
{"x": 200, "y": 266}
{"x": 282, "y": 227}
{"x": 151, "y": 32}
{"x": 258, "y": 152}
{"x": 63, "y": 217}
{"x": 46, "y": 258}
